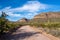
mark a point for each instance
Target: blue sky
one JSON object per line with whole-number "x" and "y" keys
{"x": 17, "y": 9}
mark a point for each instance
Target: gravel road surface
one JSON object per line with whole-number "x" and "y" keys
{"x": 30, "y": 33}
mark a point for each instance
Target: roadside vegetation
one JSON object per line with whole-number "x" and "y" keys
{"x": 6, "y": 26}
{"x": 50, "y": 27}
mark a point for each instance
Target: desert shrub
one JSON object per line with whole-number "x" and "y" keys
{"x": 5, "y": 24}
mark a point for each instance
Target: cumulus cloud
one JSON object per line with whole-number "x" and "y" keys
{"x": 31, "y": 6}
{"x": 13, "y": 15}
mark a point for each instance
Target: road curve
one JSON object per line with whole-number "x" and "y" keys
{"x": 30, "y": 33}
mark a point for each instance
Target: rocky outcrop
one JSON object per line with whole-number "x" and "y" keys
{"x": 48, "y": 15}
{"x": 23, "y": 20}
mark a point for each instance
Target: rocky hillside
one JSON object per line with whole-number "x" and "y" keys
{"x": 48, "y": 14}
{"x": 51, "y": 16}
{"x": 43, "y": 17}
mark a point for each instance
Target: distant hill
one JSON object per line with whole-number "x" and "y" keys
{"x": 43, "y": 17}
{"x": 48, "y": 14}
{"x": 51, "y": 16}
{"x": 23, "y": 20}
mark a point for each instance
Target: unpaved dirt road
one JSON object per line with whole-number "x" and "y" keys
{"x": 30, "y": 33}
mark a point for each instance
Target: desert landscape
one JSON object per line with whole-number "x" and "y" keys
{"x": 29, "y": 20}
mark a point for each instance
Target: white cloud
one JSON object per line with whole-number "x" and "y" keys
{"x": 32, "y": 13}
{"x": 13, "y": 15}
{"x": 31, "y": 6}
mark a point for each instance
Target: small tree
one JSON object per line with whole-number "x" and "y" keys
{"x": 3, "y": 23}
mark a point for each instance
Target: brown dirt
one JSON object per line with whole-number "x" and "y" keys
{"x": 31, "y": 33}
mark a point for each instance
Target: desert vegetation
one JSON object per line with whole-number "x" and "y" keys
{"x": 6, "y": 26}
{"x": 51, "y": 28}
{"x": 49, "y": 25}
{"x": 49, "y": 22}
